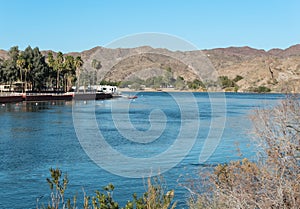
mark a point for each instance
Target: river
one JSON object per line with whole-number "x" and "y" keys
{"x": 175, "y": 134}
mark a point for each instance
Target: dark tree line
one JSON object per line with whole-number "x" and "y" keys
{"x": 32, "y": 71}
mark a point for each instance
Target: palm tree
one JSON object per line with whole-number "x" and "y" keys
{"x": 70, "y": 72}
{"x": 27, "y": 70}
{"x": 78, "y": 64}
{"x": 51, "y": 64}
{"x": 21, "y": 62}
{"x": 58, "y": 66}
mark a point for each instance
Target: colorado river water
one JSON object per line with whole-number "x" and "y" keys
{"x": 37, "y": 136}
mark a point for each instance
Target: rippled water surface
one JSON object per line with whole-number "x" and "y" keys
{"x": 37, "y": 136}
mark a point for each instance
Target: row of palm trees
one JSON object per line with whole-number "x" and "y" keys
{"x": 67, "y": 68}
{"x": 37, "y": 72}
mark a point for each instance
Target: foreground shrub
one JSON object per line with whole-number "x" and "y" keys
{"x": 154, "y": 198}
{"x": 271, "y": 182}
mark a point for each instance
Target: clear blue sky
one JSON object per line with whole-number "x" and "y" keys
{"x": 73, "y": 25}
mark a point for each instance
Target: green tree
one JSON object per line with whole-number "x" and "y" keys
{"x": 179, "y": 83}
{"x": 96, "y": 64}
{"x": 58, "y": 67}
{"x": 28, "y": 66}
{"x": 69, "y": 72}
{"x": 28, "y": 75}
{"x": 149, "y": 82}
{"x": 36, "y": 70}
{"x": 78, "y": 64}
{"x": 237, "y": 78}
{"x": 261, "y": 89}
{"x": 21, "y": 62}
{"x": 52, "y": 72}
{"x": 168, "y": 77}
{"x": 225, "y": 82}
{"x": 14, "y": 53}
{"x": 158, "y": 81}
{"x": 196, "y": 84}
{"x": 40, "y": 70}
{"x": 50, "y": 59}
{"x": 11, "y": 72}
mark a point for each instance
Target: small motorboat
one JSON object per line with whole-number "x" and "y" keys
{"x": 132, "y": 97}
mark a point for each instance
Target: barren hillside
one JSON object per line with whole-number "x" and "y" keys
{"x": 277, "y": 69}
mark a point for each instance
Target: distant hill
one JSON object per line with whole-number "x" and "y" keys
{"x": 3, "y": 54}
{"x": 277, "y": 69}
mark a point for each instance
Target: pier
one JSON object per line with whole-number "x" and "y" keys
{"x": 35, "y": 97}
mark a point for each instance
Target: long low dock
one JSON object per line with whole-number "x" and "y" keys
{"x": 11, "y": 98}
{"x": 35, "y": 97}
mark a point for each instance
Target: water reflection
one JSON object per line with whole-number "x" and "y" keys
{"x": 31, "y": 106}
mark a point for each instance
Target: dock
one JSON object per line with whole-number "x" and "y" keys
{"x": 37, "y": 97}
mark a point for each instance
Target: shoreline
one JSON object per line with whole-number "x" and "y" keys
{"x": 198, "y": 91}
{"x": 21, "y": 97}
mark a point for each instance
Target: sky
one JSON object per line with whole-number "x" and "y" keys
{"x": 77, "y": 25}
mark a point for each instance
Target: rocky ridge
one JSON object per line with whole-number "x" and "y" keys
{"x": 277, "y": 69}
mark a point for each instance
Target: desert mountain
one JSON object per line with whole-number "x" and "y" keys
{"x": 277, "y": 69}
